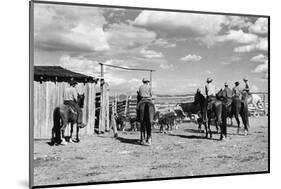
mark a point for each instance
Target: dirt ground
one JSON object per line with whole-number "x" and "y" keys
{"x": 182, "y": 152}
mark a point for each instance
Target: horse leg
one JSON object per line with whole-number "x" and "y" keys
{"x": 53, "y": 139}
{"x": 142, "y": 133}
{"x": 62, "y": 134}
{"x": 238, "y": 123}
{"x": 217, "y": 127}
{"x": 77, "y": 133}
{"x": 148, "y": 130}
{"x": 161, "y": 128}
{"x": 71, "y": 131}
{"x": 245, "y": 120}
{"x": 209, "y": 127}
{"x": 206, "y": 129}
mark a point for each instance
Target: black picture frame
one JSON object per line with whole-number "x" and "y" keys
{"x": 31, "y": 93}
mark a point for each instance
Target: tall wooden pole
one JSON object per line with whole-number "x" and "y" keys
{"x": 102, "y": 105}
{"x": 151, "y": 79}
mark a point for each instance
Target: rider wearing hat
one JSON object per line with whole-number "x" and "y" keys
{"x": 227, "y": 94}
{"x": 210, "y": 92}
{"x": 236, "y": 90}
{"x": 247, "y": 87}
{"x": 144, "y": 93}
{"x": 70, "y": 98}
{"x": 210, "y": 89}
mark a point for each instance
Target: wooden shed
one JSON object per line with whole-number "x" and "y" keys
{"x": 49, "y": 85}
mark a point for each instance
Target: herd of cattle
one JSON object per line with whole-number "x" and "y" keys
{"x": 165, "y": 119}
{"x": 170, "y": 118}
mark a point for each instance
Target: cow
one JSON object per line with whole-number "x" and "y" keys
{"x": 120, "y": 122}
{"x": 189, "y": 108}
{"x": 180, "y": 114}
{"x": 167, "y": 119}
{"x": 192, "y": 111}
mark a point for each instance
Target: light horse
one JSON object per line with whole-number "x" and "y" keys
{"x": 255, "y": 100}
{"x": 216, "y": 112}
{"x": 146, "y": 115}
{"x": 62, "y": 116}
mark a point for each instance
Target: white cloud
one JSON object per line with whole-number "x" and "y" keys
{"x": 209, "y": 72}
{"x": 202, "y": 24}
{"x": 259, "y": 58}
{"x": 119, "y": 83}
{"x": 191, "y": 58}
{"x": 163, "y": 43}
{"x": 238, "y": 36}
{"x": 166, "y": 66}
{"x": 237, "y": 21}
{"x": 69, "y": 28}
{"x": 260, "y": 26}
{"x": 125, "y": 35}
{"x": 261, "y": 68}
{"x": 151, "y": 54}
{"x": 80, "y": 65}
{"x": 225, "y": 62}
{"x": 262, "y": 44}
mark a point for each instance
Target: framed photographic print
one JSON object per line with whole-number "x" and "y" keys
{"x": 126, "y": 94}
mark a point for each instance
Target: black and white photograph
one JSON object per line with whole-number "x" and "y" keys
{"x": 124, "y": 94}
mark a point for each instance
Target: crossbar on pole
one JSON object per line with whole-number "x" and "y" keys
{"x": 133, "y": 69}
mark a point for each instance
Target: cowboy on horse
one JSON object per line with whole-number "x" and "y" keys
{"x": 145, "y": 111}
{"x": 236, "y": 91}
{"x": 70, "y": 99}
{"x": 210, "y": 92}
{"x": 247, "y": 87}
{"x": 227, "y": 94}
{"x": 144, "y": 94}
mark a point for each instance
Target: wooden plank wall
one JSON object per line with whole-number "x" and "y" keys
{"x": 49, "y": 95}
{"x": 104, "y": 109}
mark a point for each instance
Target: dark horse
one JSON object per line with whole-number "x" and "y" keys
{"x": 146, "y": 115}
{"x": 62, "y": 116}
{"x": 236, "y": 108}
{"x": 216, "y": 112}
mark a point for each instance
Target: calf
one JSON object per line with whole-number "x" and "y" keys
{"x": 120, "y": 122}
{"x": 168, "y": 120}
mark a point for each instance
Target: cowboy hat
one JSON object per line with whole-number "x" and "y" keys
{"x": 209, "y": 80}
{"x": 226, "y": 84}
{"x": 145, "y": 80}
{"x": 245, "y": 79}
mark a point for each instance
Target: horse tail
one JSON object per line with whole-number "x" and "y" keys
{"x": 57, "y": 125}
{"x": 245, "y": 113}
{"x": 146, "y": 113}
{"x": 219, "y": 113}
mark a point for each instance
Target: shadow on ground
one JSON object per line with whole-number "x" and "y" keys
{"x": 128, "y": 140}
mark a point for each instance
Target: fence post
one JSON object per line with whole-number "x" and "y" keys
{"x": 264, "y": 104}
{"x": 107, "y": 107}
{"x": 126, "y": 105}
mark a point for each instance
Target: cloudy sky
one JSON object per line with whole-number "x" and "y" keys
{"x": 183, "y": 48}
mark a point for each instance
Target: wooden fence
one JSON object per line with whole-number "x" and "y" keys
{"x": 127, "y": 107}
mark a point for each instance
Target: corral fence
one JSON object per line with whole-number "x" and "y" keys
{"x": 126, "y": 106}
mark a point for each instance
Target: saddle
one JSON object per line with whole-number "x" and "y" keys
{"x": 228, "y": 102}
{"x": 210, "y": 101}
{"x": 72, "y": 109}
{"x": 145, "y": 100}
